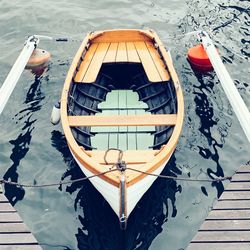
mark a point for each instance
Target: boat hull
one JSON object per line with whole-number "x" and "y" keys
{"x": 111, "y": 193}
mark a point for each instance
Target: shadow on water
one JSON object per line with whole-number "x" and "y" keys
{"x": 21, "y": 144}
{"x": 204, "y": 109}
{"x": 99, "y": 224}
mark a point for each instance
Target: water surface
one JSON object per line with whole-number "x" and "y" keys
{"x": 34, "y": 151}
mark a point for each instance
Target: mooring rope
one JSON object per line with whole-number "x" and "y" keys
{"x": 2, "y": 181}
{"x": 218, "y": 179}
{"x": 120, "y": 166}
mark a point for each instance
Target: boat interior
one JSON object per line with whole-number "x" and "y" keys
{"x": 122, "y": 88}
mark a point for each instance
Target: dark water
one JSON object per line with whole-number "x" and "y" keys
{"x": 33, "y": 151}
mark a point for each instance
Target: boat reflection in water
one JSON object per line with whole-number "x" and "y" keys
{"x": 100, "y": 227}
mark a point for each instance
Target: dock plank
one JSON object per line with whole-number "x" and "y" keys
{"x": 3, "y": 199}
{"x": 232, "y": 204}
{"x": 240, "y": 186}
{"x": 222, "y": 225}
{"x": 235, "y": 195}
{"x": 227, "y": 226}
{"x": 244, "y": 169}
{"x": 13, "y": 228}
{"x": 6, "y": 207}
{"x": 229, "y": 214}
{"x": 17, "y": 238}
{"x": 20, "y": 247}
{"x": 14, "y": 234}
{"x": 10, "y": 217}
{"x": 219, "y": 246}
{"x": 241, "y": 177}
{"x": 222, "y": 236}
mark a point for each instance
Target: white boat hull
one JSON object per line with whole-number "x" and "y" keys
{"x": 112, "y": 193}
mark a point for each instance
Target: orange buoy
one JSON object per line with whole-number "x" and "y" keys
{"x": 199, "y": 58}
{"x": 38, "y": 58}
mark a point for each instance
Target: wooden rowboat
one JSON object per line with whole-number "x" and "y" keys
{"x": 122, "y": 91}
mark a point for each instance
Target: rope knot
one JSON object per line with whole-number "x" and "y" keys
{"x": 121, "y": 165}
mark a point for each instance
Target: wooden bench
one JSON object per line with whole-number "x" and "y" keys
{"x": 131, "y": 156}
{"x": 134, "y": 52}
{"x": 122, "y": 120}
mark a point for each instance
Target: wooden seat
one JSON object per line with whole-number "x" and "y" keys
{"x": 122, "y": 120}
{"x": 133, "y": 52}
{"x": 130, "y": 157}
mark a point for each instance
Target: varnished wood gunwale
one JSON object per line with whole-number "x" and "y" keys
{"x": 166, "y": 150}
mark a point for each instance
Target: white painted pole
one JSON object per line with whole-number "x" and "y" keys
{"x": 16, "y": 71}
{"x": 227, "y": 83}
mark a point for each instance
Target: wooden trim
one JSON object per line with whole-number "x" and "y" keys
{"x": 122, "y": 120}
{"x": 116, "y": 36}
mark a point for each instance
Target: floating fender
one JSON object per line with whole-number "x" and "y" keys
{"x": 56, "y": 114}
{"x": 198, "y": 57}
{"x": 38, "y": 58}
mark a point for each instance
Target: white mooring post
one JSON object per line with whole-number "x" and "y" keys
{"x": 227, "y": 83}
{"x": 16, "y": 71}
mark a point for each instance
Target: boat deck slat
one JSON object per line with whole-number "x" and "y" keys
{"x": 147, "y": 62}
{"x": 158, "y": 62}
{"x": 96, "y": 63}
{"x": 132, "y": 53}
{"x": 84, "y": 66}
{"x": 122, "y": 55}
{"x": 124, "y": 120}
{"x": 227, "y": 226}
{"x": 111, "y": 53}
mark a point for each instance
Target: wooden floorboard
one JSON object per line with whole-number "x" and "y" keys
{"x": 227, "y": 226}
{"x": 14, "y": 234}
